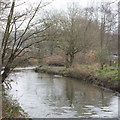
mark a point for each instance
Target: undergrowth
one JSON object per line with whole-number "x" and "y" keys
{"x": 10, "y": 108}
{"x": 108, "y": 72}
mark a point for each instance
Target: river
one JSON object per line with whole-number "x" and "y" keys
{"x": 52, "y": 96}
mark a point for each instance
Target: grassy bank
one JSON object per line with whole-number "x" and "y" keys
{"x": 108, "y": 77}
{"x": 10, "y": 108}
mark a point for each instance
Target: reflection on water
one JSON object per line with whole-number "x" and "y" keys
{"x": 52, "y": 96}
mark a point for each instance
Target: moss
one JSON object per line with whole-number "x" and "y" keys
{"x": 42, "y": 69}
{"x": 63, "y": 71}
{"x": 45, "y": 69}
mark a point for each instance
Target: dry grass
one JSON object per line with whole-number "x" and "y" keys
{"x": 87, "y": 69}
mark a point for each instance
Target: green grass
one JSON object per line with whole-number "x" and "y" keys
{"x": 109, "y": 72}
{"x": 44, "y": 69}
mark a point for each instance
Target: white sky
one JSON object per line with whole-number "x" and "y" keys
{"x": 57, "y": 4}
{"x": 62, "y": 4}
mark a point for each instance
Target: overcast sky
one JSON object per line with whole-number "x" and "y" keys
{"x": 57, "y": 4}
{"x": 62, "y": 4}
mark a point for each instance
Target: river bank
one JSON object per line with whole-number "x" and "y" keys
{"x": 53, "y": 96}
{"x": 10, "y": 108}
{"x": 107, "y": 78}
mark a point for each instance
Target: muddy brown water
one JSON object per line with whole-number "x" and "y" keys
{"x": 52, "y": 96}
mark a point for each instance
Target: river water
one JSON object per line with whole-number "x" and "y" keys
{"x": 52, "y": 96}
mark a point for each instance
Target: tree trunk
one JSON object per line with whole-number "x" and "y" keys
{"x": 110, "y": 63}
{"x": 67, "y": 61}
{"x": 102, "y": 65}
{"x": 71, "y": 59}
{"x": 7, "y": 68}
{"x": 5, "y": 74}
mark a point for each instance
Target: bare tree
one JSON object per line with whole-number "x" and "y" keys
{"x": 108, "y": 25}
{"x": 20, "y": 34}
{"x": 74, "y": 26}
